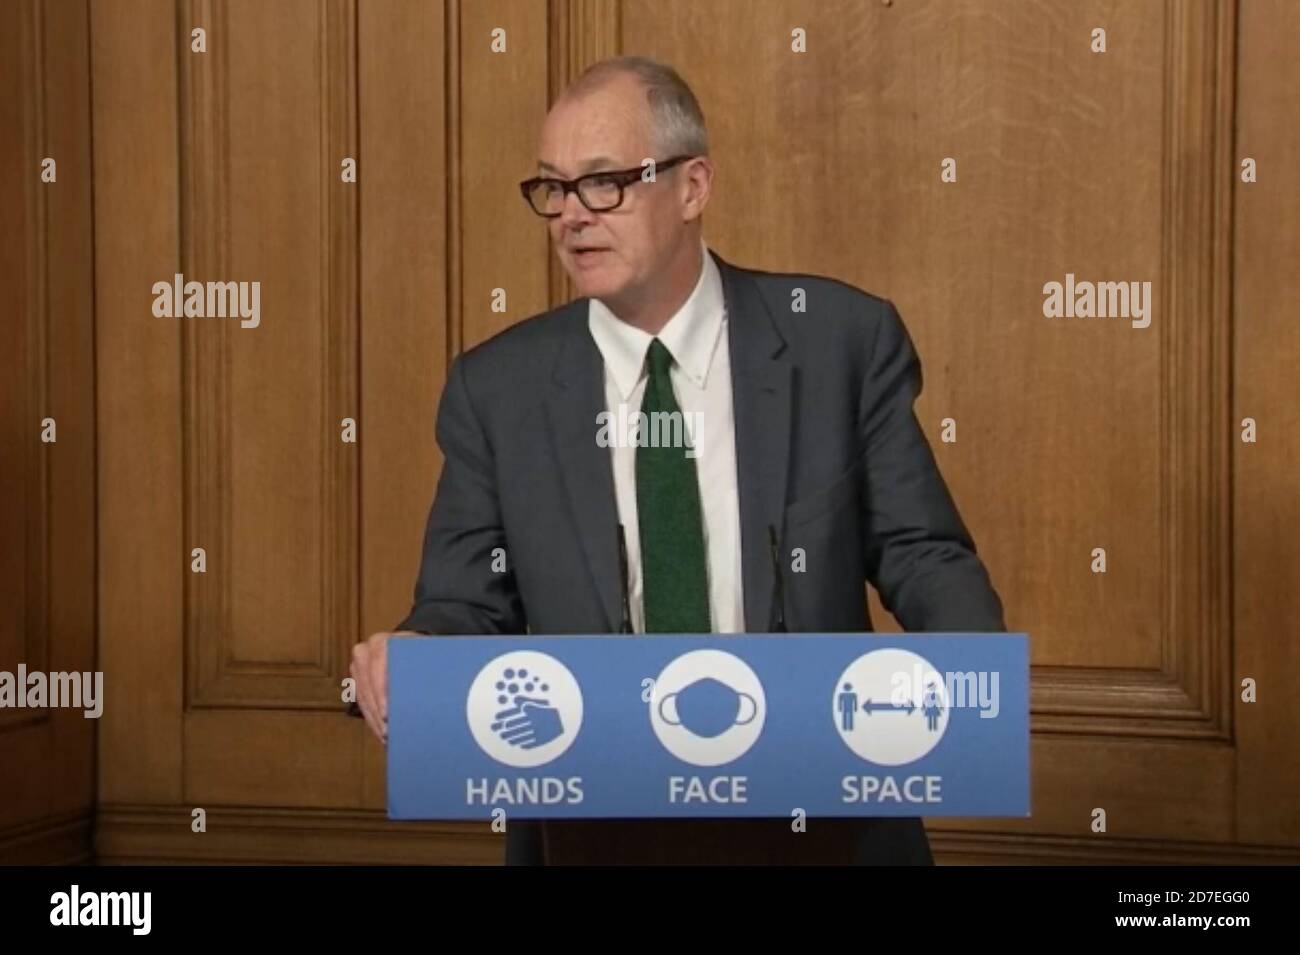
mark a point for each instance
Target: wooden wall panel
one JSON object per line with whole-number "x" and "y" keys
{"x": 502, "y": 99}
{"x": 1071, "y": 433}
{"x": 249, "y": 155}
{"x": 269, "y": 114}
{"x": 1042, "y": 130}
{"x": 142, "y": 554}
{"x": 24, "y": 513}
{"x": 47, "y": 543}
{"x": 830, "y": 161}
{"x": 1266, "y": 514}
{"x": 271, "y": 487}
{"x": 406, "y": 236}
{"x": 70, "y": 371}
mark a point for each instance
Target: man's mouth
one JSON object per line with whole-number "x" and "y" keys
{"x": 585, "y": 255}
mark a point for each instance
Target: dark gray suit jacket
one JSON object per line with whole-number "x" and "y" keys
{"x": 829, "y": 453}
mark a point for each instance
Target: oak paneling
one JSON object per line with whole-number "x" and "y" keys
{"x": 142, "y": 554}
{"x": 1266, "y": 499}
{"x": 1082, "y": 457}
{"x": 271, "y": 490}
{"x": 47, "y": 490}
{"x": 406, "y": 272}
{"x": 502, "y": 99}
{"x": 1072, "y": 434}
{"x": 140, "y": 835}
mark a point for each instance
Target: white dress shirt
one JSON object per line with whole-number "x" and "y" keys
{"x": 696, "y": 336}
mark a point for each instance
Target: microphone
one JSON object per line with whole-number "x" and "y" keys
{"x": 778, "y": 587}
{"x": 626, "y": 626}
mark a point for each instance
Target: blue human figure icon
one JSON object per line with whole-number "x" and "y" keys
{"x": 931, "y": 706}
{"x": 847, "y": 701}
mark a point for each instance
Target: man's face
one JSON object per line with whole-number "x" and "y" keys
{"x": 631, "y": 246}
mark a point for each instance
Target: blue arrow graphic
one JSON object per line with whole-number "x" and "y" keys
{"x": 869, "y": 706}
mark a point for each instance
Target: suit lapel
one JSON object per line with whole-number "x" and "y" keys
{"x": 761, "y": 385}
{"x": 576, "y": 397}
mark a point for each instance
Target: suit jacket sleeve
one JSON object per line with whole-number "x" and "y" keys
{"x": 919, "y": 554}
{"x": 458, "y": 591}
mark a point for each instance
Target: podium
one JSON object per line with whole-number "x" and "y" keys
{"x": 669, "y": 730}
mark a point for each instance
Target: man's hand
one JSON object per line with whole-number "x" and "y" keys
{"x": 370, "y": 670}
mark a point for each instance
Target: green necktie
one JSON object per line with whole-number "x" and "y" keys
{"x": 674, "y": 573}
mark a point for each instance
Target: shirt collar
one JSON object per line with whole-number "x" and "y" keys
{"x": 691, "y": 335}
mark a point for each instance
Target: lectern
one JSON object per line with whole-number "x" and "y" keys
{"x": 619, "y": 739}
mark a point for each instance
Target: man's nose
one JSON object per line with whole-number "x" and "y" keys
{"x": 575, "y": 214}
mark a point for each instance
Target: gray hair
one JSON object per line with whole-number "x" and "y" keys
{"x": 677, "y": 122}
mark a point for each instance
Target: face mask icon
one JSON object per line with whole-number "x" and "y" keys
{"x": 707, "y": 707}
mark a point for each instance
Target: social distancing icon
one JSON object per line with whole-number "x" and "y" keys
{"x": 890, "y": 706}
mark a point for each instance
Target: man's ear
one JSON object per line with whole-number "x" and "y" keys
{"x": 698, "y": 187}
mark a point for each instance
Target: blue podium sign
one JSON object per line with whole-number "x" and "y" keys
{"x": 708, "y": 725}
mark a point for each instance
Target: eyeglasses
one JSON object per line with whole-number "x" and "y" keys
{"x": 598, "y": 191}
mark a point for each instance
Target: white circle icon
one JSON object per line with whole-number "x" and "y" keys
{"x": 707, "y": 707}
{"x": 890, "y": 706}
{"x": 524, "y": 708}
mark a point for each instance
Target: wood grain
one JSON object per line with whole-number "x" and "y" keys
{"x": 1072, "y": 434}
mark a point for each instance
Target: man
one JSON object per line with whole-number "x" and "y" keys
{"x": 805, "y": 438}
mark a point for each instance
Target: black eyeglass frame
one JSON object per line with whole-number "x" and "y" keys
{"x": 621, "y": 177}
